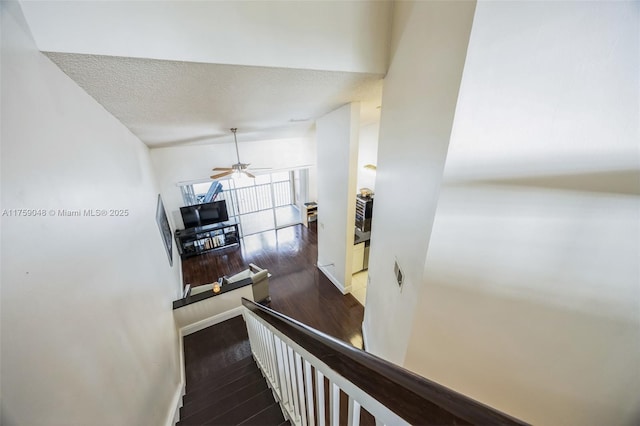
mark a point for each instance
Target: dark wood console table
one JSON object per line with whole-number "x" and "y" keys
{"x": 202, "y": 239}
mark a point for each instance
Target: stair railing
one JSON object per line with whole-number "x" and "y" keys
{"x": 310, "y": 373}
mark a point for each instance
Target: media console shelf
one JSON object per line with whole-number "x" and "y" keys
{"x": 202, "y": 239}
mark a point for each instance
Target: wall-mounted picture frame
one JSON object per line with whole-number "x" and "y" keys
{"x": 165, "y": 229}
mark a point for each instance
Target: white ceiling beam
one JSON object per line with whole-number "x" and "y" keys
{"x": 347, "y": 36}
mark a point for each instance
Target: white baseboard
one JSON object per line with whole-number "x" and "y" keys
{"x": 173, "y": 416}
{"x": 174, "y": 408}
{"x": 365, "y": 339}
{"x": 208, "y": 322}
{"x": 334, "y": 280}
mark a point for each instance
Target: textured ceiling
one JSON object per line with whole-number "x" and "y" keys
{"x": 184, "y": 72}
{"x": 168, "y": 103}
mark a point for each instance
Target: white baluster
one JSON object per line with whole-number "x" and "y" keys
{"x": 284, "y": 396}
{"x": 274, "y": 365}
{"x": 290, "y": 369}
{"x": 308, "y": 385}
{"x": 276, "y": 362}
{"x": 256, "y": 342}
{"x": 301, "y": 390}
{"x": 265, "y": 349}
{"x": 287, "y": 372}
{"x": 292, "y": 383}
{"x": 354, "y": 413}
{"x": 320, "y": 397}
{"x": 260, "y": 346}
{"x": 294, "y": 386}
{"x": 335, "y": 405}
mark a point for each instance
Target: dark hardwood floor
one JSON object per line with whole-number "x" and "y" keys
{"x": 297, "y": 288}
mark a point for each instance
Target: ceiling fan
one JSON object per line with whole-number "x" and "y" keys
{"x": 239, "y": 167}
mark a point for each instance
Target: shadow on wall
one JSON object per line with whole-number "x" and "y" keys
{"x": 614, "y": 181}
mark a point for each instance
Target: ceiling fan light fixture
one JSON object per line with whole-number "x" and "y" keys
{"x": 237, "y": 170}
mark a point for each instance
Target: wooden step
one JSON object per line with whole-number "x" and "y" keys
{"x": 222, "y": 373}
{"x": 272, "y": 415}
{"x": 219, "y": 371}
{"x": 240, "y": 413}
{"x": 224, "y": 378}
{"x": 218, "y": 403}
{"x": 204, "y": 398}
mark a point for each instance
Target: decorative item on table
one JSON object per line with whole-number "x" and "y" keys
{"x": 217, "y": 285}
{"x": 366, "y": 192}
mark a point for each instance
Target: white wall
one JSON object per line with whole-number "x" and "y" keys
{"x": 338, "y": 36}
{"x": 419, "y": 97}
{"x": 87, "y": 328}
{"x": 337, "y": 147}
{"x": 531, "y": 287}
{"x": 367, "y": 154}
{"x": 189, "y": 163}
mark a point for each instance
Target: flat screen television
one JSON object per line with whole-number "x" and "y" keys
{"x": 204, "y": 214}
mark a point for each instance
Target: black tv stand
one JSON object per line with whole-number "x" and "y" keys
{"x": 203, "y": 239}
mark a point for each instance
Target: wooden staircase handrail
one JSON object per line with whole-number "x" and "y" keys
{"x": 412, "y": 397}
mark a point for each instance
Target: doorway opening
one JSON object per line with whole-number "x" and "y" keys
{"x": 359, "y": 282}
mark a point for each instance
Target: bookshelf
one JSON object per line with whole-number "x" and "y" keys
{"x": 203, "y": 239}
{"x": 310, "y": 213}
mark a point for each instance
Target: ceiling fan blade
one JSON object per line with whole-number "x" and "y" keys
{"x": 248, "y": 174}
{"x": 223, "y": 168}
{"x": 219, "y": 175}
